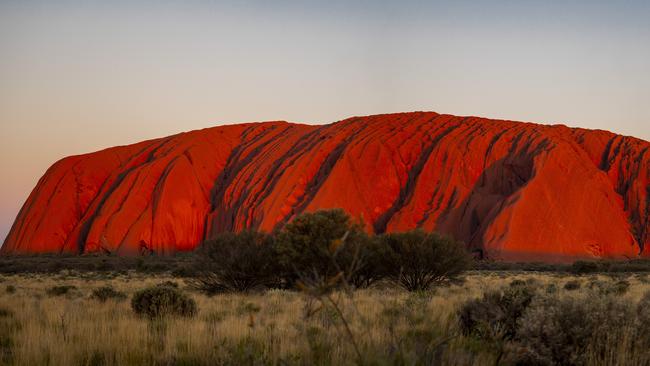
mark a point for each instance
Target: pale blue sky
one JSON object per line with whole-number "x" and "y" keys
{"x": 77, "y": 76}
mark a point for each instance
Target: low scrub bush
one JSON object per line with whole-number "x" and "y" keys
{"x": 235, "y": 262}
{"x": 161, "y": 301}
{"x": 60, "y": 290}
{"x": 569, "y": 330}
{"x": 10, "y": 289}
{"x": 635, "y": 265}
{"x": 572, "y": 285}
{"x": 516, "y": 283}
{"x": 106, "y": 293}
{"x": 619, "y": 287}
{"x": 417, "y": 260}
{"x": 525, "y": 327}
{"x": 494, "y": 317}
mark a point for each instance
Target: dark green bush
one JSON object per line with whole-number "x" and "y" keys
{"x": 583, "y": 267}
{"x": 60, "y": 290}
{"x": 370, "y": 266}
{"x": 635, "y": 265}
{"x": 10, "y": 289}
{"x": 231, "y": 262}
{"x": 106, "y": 293}
{"x": 160, "y": 301}
{"x": 572, "y": 285}
{"x": 322, "y": 245}
{"x": 416, "y": 259}
{"x": 494, "y": 317}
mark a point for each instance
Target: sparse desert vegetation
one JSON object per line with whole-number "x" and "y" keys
{"x": 322, "y": 292}
{"x": 486, "y": 317}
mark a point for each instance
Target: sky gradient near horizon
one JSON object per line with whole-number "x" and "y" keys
{"x": 79, "y": 76}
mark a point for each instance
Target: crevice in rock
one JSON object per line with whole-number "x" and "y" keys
{"x": 406, "y": 192}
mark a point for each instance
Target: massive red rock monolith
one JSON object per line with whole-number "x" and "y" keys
{"x": 509, "y": 190}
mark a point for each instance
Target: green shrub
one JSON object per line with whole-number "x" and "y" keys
{"x": 494, "y": 317}
{"x": 235, "y": 262}
{"x": 60, "y": 290}
{"x": 10, "y": 289}
{"x": 416, "y": 260}
{"x": 323, "y": 245}
{"x": 106, "y": 293}
{"x": 572, "y": 285}
{"x": 562, "y": 331}
{"x": 160, "y": 301}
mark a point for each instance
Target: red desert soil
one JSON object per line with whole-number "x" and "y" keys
{"x": 515, "y": 191}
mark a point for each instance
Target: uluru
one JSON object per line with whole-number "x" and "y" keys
{"x": 509, "y": 190}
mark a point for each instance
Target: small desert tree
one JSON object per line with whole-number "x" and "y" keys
{"x": 234, "y": 262}
{"x": 417, "y": 260}
{"x": 322, "y": 246}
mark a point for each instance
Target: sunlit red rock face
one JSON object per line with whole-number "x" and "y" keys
{"x": 514, "y": 191}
